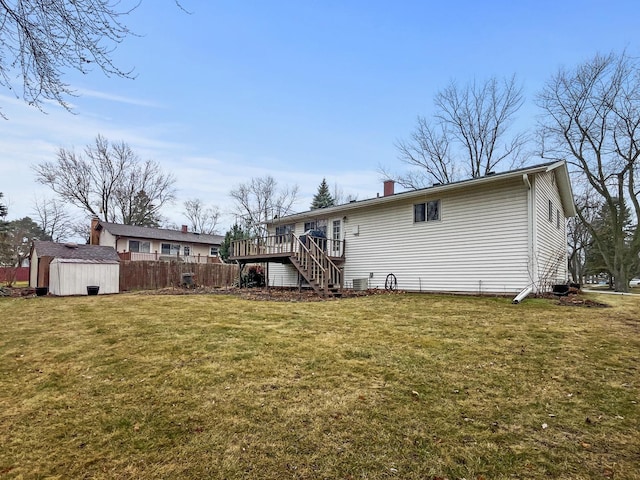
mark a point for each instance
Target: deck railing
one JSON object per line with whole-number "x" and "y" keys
{"x": 287, "y": 244}
{"x": 154, "y": 257}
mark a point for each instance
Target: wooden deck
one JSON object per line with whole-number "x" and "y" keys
{"x": 281, "y": 248}
{"x": 316, "y": 259}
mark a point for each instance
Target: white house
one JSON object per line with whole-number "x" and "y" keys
{"x": 146, "y": 243}
{"x": 500, "y": 233}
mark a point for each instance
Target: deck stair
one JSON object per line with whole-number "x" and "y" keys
{"x": 315, "y": 266}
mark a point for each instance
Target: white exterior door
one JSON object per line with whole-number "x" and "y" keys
{"x": 336, "y": 236}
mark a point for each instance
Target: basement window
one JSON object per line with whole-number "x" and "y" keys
{"x": 426, "y": 212}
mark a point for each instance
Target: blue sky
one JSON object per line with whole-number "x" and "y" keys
{"x": 301, "y": 89}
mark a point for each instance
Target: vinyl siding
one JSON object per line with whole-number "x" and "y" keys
{"x": 550, "y": 254}
{"x": 155, "y": 246}
{"x": 478, "y": 245}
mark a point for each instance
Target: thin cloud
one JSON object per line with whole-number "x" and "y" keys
{"x": 117, "y": 98}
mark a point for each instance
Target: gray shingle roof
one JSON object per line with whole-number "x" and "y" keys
{"x": 160, "y": 234}
{"x": 97, "y": 253}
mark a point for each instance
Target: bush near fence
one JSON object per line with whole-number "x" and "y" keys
{"x": 149, "y": 275}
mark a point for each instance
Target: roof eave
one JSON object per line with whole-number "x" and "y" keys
{"x": 566, "y": 193}
{"x": 564, "y": 187}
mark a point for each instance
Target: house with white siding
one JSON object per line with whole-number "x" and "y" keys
{"x": 137, "y": 243}
{"x": 496, "y": 234}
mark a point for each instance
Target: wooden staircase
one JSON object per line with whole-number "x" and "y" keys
{"x": 315, "y": 266}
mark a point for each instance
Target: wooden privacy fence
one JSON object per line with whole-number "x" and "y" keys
{"x": 154, "y": 275}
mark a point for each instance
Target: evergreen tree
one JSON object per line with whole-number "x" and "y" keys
{"x": 323, "y": 198}
{"x": 235, "y": 233}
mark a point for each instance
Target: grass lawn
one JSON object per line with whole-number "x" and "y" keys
{"x": 387, "y": 386}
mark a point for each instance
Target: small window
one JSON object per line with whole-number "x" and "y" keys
{"x": 186, "y": 250}
{"x": 320, "y": 225}
{"x": 426, "y": 212}
{"x": 213, "y": 251}
{"x": 283, "y": 232}
{"x": 170, "y": 249}
{"x": 558, "y": 219}
{"x": 139, "y": 247}
{"x": 550, "y": 211}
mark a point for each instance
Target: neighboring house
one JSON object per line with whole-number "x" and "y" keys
{"x": 144, "y": 243}
{"x": 499, "y": 234}
{"x": 69, "y": 268}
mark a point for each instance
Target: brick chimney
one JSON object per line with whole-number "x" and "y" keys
{"x": 389, "y": 186}
{"x": 184, "y": 229}
{"x": 94, "y": 234}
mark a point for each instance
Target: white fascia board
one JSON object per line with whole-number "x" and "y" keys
{"x": 564, "y": 187}
{"x": 421, "y": 193}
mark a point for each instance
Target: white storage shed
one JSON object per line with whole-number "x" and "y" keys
{"x": 70, "y": 276}
{"x": 72, "y": 269}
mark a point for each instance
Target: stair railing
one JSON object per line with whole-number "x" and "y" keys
{"x": 317, "y": 263}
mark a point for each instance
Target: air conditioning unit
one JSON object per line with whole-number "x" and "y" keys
{"x": 360, "y": 283}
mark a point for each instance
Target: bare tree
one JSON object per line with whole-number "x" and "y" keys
{"x": 340, "y": 197}
{"x": 428, "y": 153}
{"x": 202, "y": 219}
{"x": 53, "y": 219}
{"x": 578, "y": 242}
{"x": 468, "y": 134}
{"x": 478, "y": 117}
{"x": 592, "y": 119}
{"x": 44, "y": 39}
{"x": 260, "y": 200}
{"x": 109, "y": 181}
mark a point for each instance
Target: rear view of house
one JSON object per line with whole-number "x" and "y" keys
{"x": 496, "y": 234}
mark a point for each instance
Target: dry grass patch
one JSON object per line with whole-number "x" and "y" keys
{"x": 399, "y": 386}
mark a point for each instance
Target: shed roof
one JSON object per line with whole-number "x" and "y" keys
{"x": 92, "y": 253}
{"x": 135, "y": 231}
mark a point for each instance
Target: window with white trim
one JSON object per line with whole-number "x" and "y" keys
{"x": 139, "y": 246}
{"x": 213, "y": 251}
{"x": 170, "y": 249}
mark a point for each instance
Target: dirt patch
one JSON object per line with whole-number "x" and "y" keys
{"x": 271, "y": 294}
{"x": 578, "y": 301}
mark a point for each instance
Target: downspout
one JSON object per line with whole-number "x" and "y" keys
{"x": 531, "y": 234}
